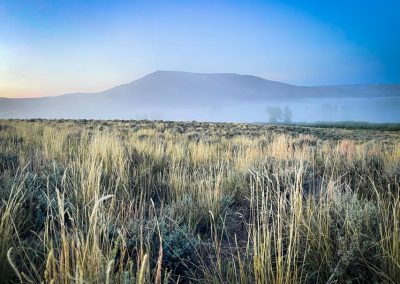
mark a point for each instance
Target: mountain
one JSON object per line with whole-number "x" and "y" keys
{"x": 196, "y": 96}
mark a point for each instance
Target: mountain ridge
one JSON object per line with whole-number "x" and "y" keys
{"x": 396, "y": 85}
{"x": 168, "y": 93}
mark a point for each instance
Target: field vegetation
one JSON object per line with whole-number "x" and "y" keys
{"x": 172, "y": 202}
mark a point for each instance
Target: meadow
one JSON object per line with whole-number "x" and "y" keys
{"x": 173, "y": 202}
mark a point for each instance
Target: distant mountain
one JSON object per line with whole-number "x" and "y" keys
{"x": 192, "y": 96}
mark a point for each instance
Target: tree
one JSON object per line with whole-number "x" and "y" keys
{"x": 274, "y": 113}
{"x": 287, "y": 115}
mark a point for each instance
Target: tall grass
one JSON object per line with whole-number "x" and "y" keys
{"x": 126, "y": 202}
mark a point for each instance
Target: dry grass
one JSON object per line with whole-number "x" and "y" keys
{"x": 126, "y": 202}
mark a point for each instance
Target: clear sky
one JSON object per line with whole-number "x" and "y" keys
{"x": 54, "y": 47}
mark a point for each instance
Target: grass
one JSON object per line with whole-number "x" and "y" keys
{"x": 356, "y": 125}
{"x": 172, "y": 202}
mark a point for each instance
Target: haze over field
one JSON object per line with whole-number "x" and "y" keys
{"x": 175, "y": 95}
{"x": 319, "y": 61}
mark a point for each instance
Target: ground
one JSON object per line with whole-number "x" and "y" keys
{"x": 158, "y": 201}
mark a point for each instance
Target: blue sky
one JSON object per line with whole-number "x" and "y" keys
{"x": 56, "y": 47}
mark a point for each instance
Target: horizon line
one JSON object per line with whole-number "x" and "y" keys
{"x": 199, "y": 73}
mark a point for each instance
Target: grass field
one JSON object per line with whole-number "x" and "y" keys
{"x": 169, "y": 202}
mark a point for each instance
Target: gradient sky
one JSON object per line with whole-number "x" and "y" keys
{"x": 56, "y": 47}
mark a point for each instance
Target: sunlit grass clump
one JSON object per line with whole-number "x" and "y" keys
{"x": 163, "y": 202}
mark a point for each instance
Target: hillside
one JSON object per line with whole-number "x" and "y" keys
{"x": 188, "y": 96}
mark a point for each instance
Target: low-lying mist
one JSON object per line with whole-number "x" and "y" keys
{"x": 224, "y": 97}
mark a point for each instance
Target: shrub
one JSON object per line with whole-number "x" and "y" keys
{"x": 41, "y": 194}
{"x": 354, "y": 227}
{"x": 180, "y": 249}
{"x": 8, "y": 161}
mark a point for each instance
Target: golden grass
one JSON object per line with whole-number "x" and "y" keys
{"x": 126, "y": 202}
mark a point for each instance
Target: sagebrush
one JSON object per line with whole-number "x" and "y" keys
{"x": 168, "y": 202}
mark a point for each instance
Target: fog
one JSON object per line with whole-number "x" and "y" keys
{"x": 305, "y": 110}
{"x": 169, "y": 95}
{"x": 376, "y": 110}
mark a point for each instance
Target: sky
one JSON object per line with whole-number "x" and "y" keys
{"x": 51, "y": 48}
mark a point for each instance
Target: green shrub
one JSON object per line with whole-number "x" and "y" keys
{"x": 41, "y": 194}
{"x": 180, "y": 248}
{"x": 8, "y": 161}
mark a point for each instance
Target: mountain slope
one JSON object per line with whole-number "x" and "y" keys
{"x": 172, "y": 87}
{"x": 180, "y": 95}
